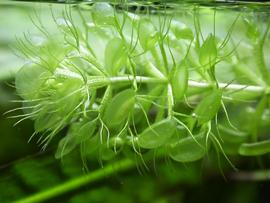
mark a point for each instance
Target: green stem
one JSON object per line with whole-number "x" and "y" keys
{"x": 163, "y": 54}
{"x": 157, "y": 60}
{"x": 102, "y": 81}
{"x": 79, "y": 182}
{"x": 170, "y": 101}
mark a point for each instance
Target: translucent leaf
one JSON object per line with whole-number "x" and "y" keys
{"x": 179, "y": 81}
{"x": 187, "y": 149}
{"x": 115, "y": 55}
{"x": 29, "y": 80}
{"x": 119, "y": 107}
{"x": 106, "y": 153}
{"x": 152, "y": 95}
{"x": 232, "y": 135}
{"x": 148, "y": 35}
{"x": 181, "y": 31}
{"x": 86, "y": 131}
{"x": 103, "y": 14}
{"x": 208, "y": 51}
{"x": 91, "y": 146}
{"x": 255, "y": 149}
{"x": 65, "y": 146}
{"x": 60, "y": 102}
{"x": 145, "y": 102}
{"x": 78, "y": 132}
{"x": 46, "y": 121}
{"x": 207, "y": 108}
{"x": 257, "y": 117}
{"x": 67, "y": 95}
{"x": 157, "y": 134}
{"x": 252, "y": 32}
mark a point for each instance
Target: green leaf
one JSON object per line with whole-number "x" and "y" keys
{"x": 145, "y": 103}
{"x": 232, "y": 135}
{"x": 208, "y": 51}
{"x": 106, "y": 153}
{"x": 119, "y": 108}
{"x": 79, "y": 132}
{"x": 92, "y": 146}
{"x": 207, "y": 108}
{"x": 46, "y": 121}
{"x": 181, "y": 31}
{"x": 157, "y": 134}
{"x": 187, "y": 149}
{"x": 86, "y": 131}
{"x": 179, "y": 81}
{"x": 67, "y": 88}
{"x": 252, "y": 32}
{"x": 65, "y": 146}
{"x": 61, "y": 98}
{"x": 115, "y": 55}
{"x": 148, "y": 35}
{"x": 29, "y": 80}
{"x": 103, "y": 14}
{"x": 151, "y": 97}
{"x": 257, "y": 118}
{"x": 255, "y": 149}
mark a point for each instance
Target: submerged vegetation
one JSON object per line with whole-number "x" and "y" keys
{"x": 147, "y": 83}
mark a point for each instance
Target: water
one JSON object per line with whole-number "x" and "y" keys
{"x": 11, "y": 11}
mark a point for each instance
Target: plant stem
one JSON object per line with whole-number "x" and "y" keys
{"x": 170, "y": 101}
{"x": 263, "y": 175}
{"x": 103, "y": 81}
{"x": 140, "y": 79}
{"x": 245, "y": 88}
{"x": 79, "y": 182}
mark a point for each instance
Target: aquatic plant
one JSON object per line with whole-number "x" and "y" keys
{"x": 146, "y": 83}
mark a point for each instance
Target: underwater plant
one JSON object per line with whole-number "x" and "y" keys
{"x": 124, "y": 79}
{"x": 125, "y": 83}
